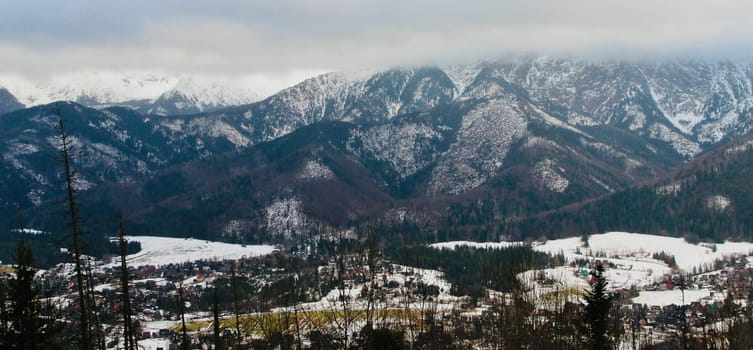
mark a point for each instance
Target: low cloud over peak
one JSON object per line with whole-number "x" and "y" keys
{"x": 276, "y": 37}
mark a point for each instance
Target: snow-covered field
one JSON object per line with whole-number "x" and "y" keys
{"x": 165, "y": 250}
{"x": 631, "y": 257}
{"x": 632, "y": 248}
{"x": 668, "y": 297}
{"x": 154, "y": 344}
{"x": 640, "y": 245}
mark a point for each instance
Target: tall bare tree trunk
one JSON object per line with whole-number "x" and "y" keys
{"x": 183, "y": 317}
{"x": 234, "y": 281}
{"x": 216, "y": 320}
{"x": 85, "y": 341}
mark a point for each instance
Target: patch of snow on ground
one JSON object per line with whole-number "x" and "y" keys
{"x": 558, "y": 123}
{"x": 668, "y": 189}
{"x": 81, "y": 184}
{"x": 215, "y": 127}
{"x": 481, "y": 245}
{"x": 315, "y": 170}
{"x": 19, "y": 148}
{"x": 548, "y": 176}
{"x": 638, "y": 117}
{"x": 166, "y": 250}
{"x": 718, "y": 203}
{"x": 154, "y": 344}
{"x": 681, "y": 144}
{"x": 739, "y": 148}
{"x": 285, "y": 217}
{"x": 668, "y": 297}
{"x": 31, "y": 231}
{"x": 716, "y": 131}
{"x": 579, "y": 119}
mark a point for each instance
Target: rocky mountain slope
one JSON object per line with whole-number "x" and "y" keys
{"x": 510, "y": 139}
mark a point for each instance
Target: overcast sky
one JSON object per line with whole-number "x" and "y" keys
{"x": 290, "y": 38}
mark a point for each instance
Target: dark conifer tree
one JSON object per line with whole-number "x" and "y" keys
{"x": 26, "y": 326}
{"x": 598, "y": 304}
{"x": 128, "y": 331}
{"x": 236, "y": 310}
{"x": 3, "y": 309}
{"x": 216, "y": 320}
{"x": 185, "y": 344}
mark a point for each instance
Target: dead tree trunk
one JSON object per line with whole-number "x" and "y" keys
{"x": 183, "y": 317}
{"x": 85, "y": 341}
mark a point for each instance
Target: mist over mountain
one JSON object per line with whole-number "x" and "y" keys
{"x": 148, "y": 93}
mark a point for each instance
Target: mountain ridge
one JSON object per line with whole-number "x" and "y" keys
{"x": 551, "y": 131}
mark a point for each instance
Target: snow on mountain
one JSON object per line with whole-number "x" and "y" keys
{"x": 679, "y": 142}
{"x": 483, "y": 141}
{"x": 703, "y": 102}
{"x": 422, "y": 130}
{"x": 194, "y": 95}
{"x": 462, "y": 75}
{"x": 91, "y": 88}
{"x": 315, "y": 171}
{"x": 157, "y": 93}
{"x": 407, "y": 148}
{"x": 548, "y": 175}
{"x": 692, "y": 93}
{"x": 285, "y": 217}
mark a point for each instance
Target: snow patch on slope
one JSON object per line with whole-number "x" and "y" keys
{"x": 681, "y": 144}
{"x": 462, "y": 75}
{"x": 718, "y": 203}
{"x": 482, "y": 143}
{"x": 549, "y": 175}
{"x": 285, "y": 217}
{"x": 314, "y": 170}
{"x": 407, "y": 148}
{"x": 747, "y": 146}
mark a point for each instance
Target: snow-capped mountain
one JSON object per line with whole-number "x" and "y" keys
{"x": 91, "y": 88}
{"x": 544, "y": 132}
{"x": 683, "y": 103}
{"x": 155, "y": 93}
{"x": 191, "y": 95}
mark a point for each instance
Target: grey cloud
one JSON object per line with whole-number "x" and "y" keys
{"x": 42, "y": 37}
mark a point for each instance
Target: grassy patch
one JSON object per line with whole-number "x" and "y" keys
{"x": 281, "y": 321}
